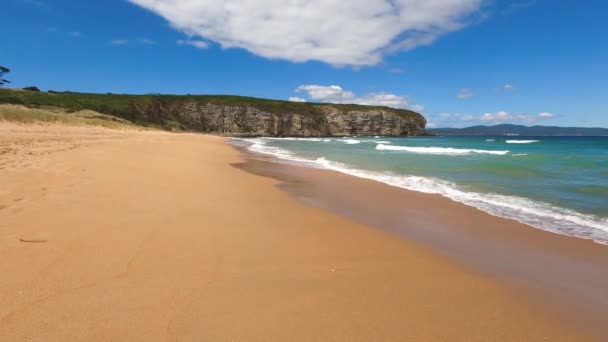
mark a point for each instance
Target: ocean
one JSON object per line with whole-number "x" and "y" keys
{"x": 558, "y": 184}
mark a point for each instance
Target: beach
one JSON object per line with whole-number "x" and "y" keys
{"x": 124, "y": 235}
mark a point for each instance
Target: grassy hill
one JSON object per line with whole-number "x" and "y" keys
{"x": 122, "y": 106}
{"x": 25, "y": 115}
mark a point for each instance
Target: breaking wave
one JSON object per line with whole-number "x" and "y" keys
{"x": 521, "y": 141}
{"x": 438, "y": 150}
{"x": 534, "y": 213}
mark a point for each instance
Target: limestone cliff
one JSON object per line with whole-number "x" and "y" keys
{"x": 315, "y": 120}
{"x": 232, "y": 115}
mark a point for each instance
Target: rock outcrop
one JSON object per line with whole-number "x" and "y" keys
{"x": 231, "y": 115}
{"x": 250, "y": 120}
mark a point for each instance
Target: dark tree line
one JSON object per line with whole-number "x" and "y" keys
{"x": 4, "y": 70}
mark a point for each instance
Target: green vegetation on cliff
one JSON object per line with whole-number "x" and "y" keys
{"x": 171, "y": 111}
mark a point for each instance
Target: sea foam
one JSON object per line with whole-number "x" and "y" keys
{"x": 534, "y": 213}
{"x": 521, "y": 141}
{"x": 438, "y": 150}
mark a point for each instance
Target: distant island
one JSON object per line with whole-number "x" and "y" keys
{"x": 514, "y": 130}
{"x": 230, "y": 115}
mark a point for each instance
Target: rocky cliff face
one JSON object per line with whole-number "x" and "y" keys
{"x": 310, "y": 120}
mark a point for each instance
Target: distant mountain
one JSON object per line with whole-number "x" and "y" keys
{"x": 506, "y": 129}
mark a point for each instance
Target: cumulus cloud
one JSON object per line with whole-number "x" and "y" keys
{"x": 296, "y": 99}
{"x": 335, "y": 94}
{"x": 496, "y": 117}
{"x": 194, "y": 42}
{"x": 464, "y": 94}
{"x": 338, "y": 32}
{"x": 503, "y": 117}
{"x": 506, "y": 87}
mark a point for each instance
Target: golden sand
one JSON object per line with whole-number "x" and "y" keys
{"x": 148, "y": 236}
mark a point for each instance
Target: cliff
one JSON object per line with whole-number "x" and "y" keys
{"x": 233, "y": 115}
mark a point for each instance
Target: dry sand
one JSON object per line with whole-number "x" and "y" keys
{"x": 147, "y": 236}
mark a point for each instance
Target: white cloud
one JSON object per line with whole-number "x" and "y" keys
{"x": 502, "y": 117}
{"x": 119, "y": 42}
{"x": 335, "y": 94}
{"x": 296, "y": 99}
{"x": 338, "y": 32}
{"x": 430, "y": 124}
{"x": 332, "y": 93}
{"x": 75, "y": 34}
{"x": 464, "y": 94}
{"x": 506, "y": 87}
{"x": 465, "y": 117}
{"x": 417, "y": 108}
{"x": 457, "y": 120}
{"x": 496, "y": 117}
{"x": 194, "y": 42}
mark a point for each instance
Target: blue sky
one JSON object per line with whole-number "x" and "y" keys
{"x": 459, "y": 62}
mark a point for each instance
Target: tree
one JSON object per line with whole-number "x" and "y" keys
{"x": 4, "y": 70}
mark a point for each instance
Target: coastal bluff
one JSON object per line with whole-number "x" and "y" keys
{"x": 232, "y": 115}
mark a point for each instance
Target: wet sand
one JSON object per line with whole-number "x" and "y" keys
{"x": 145, "y": 236}
{"x": 564, "y": 274}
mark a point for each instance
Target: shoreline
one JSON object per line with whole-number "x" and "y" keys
{"x": 156, "y": 236}
{"x": 533, "y": 209}
{"x": 564, "y": 273}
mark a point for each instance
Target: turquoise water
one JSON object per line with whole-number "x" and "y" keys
{"x": 558, "y": 184}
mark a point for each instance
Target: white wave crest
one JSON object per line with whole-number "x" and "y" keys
{"x": 438, "y": 150}
{"x": 521, "y": 141}
{"x": 293, "y": 139}
{"x": 537, "y": 214}
{"x": 351, "y": 141}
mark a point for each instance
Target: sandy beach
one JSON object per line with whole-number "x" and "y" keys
{"x": 118, "y": 235}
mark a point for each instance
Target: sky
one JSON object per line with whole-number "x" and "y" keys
{"x": 458, "y": 62}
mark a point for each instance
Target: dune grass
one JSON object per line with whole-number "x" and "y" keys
{"x": 24, "y": 115}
